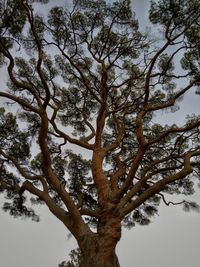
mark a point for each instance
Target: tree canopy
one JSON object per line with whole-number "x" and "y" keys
{"x": 77, "y": 126}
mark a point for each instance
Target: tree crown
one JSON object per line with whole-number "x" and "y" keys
{"x": 83, "y": 138}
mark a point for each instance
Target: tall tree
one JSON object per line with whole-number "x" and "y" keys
{"x": 84, "y": 85}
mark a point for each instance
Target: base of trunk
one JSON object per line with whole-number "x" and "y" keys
{"x": 101, "y": 261}
{"x": 98, "y": 249}
{"x": 100, "y": 254}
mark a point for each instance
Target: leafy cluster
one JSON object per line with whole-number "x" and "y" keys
{"x": 76, "y": 259}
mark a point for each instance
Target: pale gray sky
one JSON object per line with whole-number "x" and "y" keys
{"x": 173, "y": 239}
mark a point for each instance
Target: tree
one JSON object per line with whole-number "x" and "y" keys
{"x": 81, "y": 138}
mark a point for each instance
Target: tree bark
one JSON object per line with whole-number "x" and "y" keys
{"x": 98, "y": 250}
{"x": 101, "y": 260}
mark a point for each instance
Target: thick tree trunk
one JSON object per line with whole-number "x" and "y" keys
{"x": 101, "y": 260}
{"x": 99, "y": 249}
{"x": 99, "y": 253}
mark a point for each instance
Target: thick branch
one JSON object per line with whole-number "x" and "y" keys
{"x": 160, "y": 185}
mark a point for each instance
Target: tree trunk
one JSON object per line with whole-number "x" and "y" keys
{"x": 100, "y": 259}
{"x": 99, "y": 249}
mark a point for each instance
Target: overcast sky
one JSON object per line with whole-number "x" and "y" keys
{"x": 173, "y": 239}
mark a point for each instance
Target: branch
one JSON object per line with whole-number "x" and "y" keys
{"x": 173, "y": 130}
{"x": 71, "y": 140}
{"x": 133, "y": 169}
{"x": 120, "y": 130}
{"x": 19, "y": 167}
{"x": 57, "y": 211}
{"x": 49, "y": 174}
{"x": 160, "y": 185}
{"x": 167, "y": 203}
{"x": 121, "y": 170}
{"x": 20, "y": 85}
{"x": 20, "y": 101}
{"x": 83, "y": 79}
{"x": 40, "y": 54}
{"x": 89, "y": 212}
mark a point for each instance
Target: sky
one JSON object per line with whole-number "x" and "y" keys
{"x": 172, "y": 239}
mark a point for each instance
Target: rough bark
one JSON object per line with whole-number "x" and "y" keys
{"x": 101, "y": 260}
{"x": 99, "y": 249}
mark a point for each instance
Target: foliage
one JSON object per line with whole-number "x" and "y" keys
{"x": 76, "y": 259}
